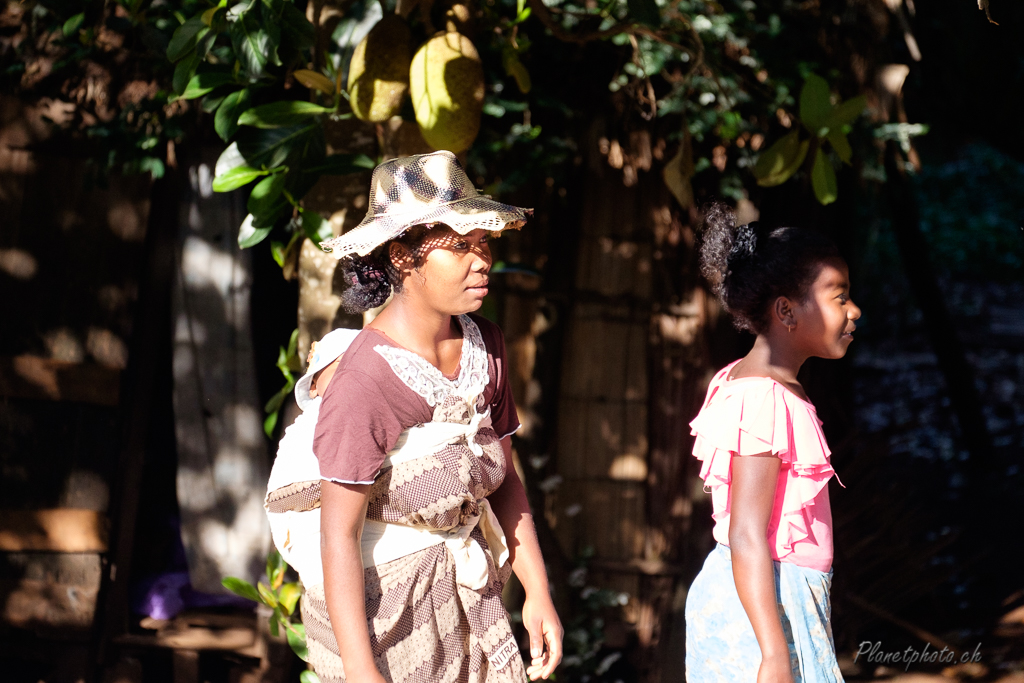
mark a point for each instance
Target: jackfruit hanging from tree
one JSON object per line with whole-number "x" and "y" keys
{"x": 378, "y": 76}
{"x": 446, "y": 81}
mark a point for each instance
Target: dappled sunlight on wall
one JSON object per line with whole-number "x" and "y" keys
{"x": 222, "y": 460}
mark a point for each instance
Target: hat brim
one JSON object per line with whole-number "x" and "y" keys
{"x": 462, "y": 216}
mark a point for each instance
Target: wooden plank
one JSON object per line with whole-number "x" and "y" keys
{"x": 605, "y": 359}
{"x": 602, "y": 440}
{"x": 27, "y": 376}
{"x": 240, "y": 640}
{"x": 48, "y": 608}
{"x": 606, "y": 515}
{"x": 613, "y": 267}
{"x": 60, "y": 530}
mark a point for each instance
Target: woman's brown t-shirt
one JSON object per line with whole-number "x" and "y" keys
{"x": 367, "y": 406}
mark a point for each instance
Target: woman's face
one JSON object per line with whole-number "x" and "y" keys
{"x": 452, "y": 275}
{"x": 826, "y": 317}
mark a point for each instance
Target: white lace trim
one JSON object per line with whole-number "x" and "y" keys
{"x": 428, "y": 382}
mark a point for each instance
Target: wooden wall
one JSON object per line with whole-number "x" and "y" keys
{"x": 635, "y": 365}
{"x": 71, "y": 252}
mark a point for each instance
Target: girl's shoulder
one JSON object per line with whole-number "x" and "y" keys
{"x": 756, "y": 415}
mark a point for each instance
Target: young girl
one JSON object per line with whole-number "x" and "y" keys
{"x": 759, "y": 609}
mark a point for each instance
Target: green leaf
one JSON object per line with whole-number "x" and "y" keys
{"x": 270, "y": 21}
{"x": 72, "y": 25}
{"x": 314, "y": 80}
{"x": 293, "y": 348}
{"x": 152, "y": 165}
{"x": 280, "y": 114}
{"x": 815, "y": 102}
{"x": 205, "y": 44}
{"x": 184, "y": 71}
{"x": 266, "y": 199}
{"x": 252, "y": 44}
{"x": 297, "y": 639}
{"x": 823, "y": 179}
{"x": 270, "y": 423}
{"x": 308, "y": 677}
{"x": 295, "y": 27}
{"x": 315, "y": 227}
{"x": 840, "y": 144}
{"x": 846, "y": 113}
{"x": 204, "y": 83}
{"x": 236, "y": 178}
{"x": 275, "y": 619}
{"x": 185, "y": 38}
{"x": 229, "y": 159}
{"x": 343, "y": 164}
{"x": 225, "y": 121}
{"x": 277, "y": 253}
{"x": 272, "y": 147}
{"x": 277, "y": 400}
{"x": 780, "y": 161}
{"x": 250, "y": 236}
{"x": 275, "y": 568}
{"x": 289, "y": 596}
{"x": 515, "y": 68}
{"x": 241, "y": 588}
{"x": 211, "y": 103}
{"x": 266, "y": 595}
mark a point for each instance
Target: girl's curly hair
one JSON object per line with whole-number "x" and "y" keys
{"x": 369, "y": 280}
{"x": 750, "y": 266}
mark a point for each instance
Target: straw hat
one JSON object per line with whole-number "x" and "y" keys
{"x": 425, "y": 188}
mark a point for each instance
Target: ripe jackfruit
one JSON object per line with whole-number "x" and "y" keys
{"x": 446, "y": 81}
{"x": 379, "y": 72}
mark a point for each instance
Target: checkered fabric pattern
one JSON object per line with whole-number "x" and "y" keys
{"x": 426, "y": 188}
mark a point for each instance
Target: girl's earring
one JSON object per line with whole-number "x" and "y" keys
{"x": 789, "y": 327}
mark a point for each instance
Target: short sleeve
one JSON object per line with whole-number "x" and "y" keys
{"x": 504, "y": 417}
{"x": 761, "y": 417}
{"x": 356, "y": 429}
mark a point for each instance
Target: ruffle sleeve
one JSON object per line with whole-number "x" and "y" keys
{"x": 755, "y": 416}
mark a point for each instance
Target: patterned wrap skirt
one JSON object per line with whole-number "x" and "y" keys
{"x": 424, "y": 626}
{"x": 720, "y": 642}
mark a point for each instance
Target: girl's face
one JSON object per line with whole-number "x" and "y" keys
{"x": 452, "y": 275}
{"x": 825, "y": 319}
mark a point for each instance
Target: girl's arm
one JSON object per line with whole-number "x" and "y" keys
{"x": 752, "y": 495}
{"x": 342, "y": 512}
{"x": 513, "y": 511}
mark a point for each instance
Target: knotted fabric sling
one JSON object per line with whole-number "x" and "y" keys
{"x": 434, "y": 554}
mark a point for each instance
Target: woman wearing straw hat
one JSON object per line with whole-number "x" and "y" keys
{"x": 423, "y": 517}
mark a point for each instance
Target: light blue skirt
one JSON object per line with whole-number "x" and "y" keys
{"x": 720, "y": 642}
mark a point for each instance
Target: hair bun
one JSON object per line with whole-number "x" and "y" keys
{"x": 745, "y": 240}
{"x": 367, "y": 284}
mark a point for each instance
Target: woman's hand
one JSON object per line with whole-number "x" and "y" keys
{"x": 545, "y": 629}
{"x": 775, "y": 669}
{"x": 542, "y": 623}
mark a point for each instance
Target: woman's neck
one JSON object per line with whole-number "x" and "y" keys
{"x": 417, "y": 328}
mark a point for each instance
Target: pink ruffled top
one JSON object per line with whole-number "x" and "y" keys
{"x": 757, "y": 415}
